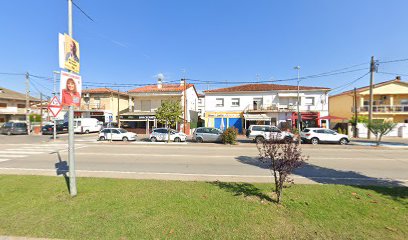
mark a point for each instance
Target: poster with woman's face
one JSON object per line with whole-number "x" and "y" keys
{"x": 70, "y": 89}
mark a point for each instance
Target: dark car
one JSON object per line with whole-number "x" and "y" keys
{"x": 11, "y": 128}
{"x": 49, "y": 128}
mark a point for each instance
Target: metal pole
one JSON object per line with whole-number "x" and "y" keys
{"x": 54, "y": 93}
{"x": 298, "y": 103}
{"x": 185, "y": 106}
{"x": 355, "y": 113}
{"x": 370, "y": 109}
{"x": 41, "y": 112}
{"x": 118, "y": 109}
{"x": 28, "y": 103}
{"x": 71, "y": 142}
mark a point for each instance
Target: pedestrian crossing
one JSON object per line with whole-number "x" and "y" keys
{"x": 16, "y": 151}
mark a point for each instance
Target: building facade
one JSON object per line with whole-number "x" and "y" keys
{"x": 390, "y": 102}
{"x": 103, "y": 103}
{"x": 269, "y": 104}
{"x": 13, "y": 105}
{"x": 146, "y": 100}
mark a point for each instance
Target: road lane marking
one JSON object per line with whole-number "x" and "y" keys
{"x": 20, "y": 152}
{"x": 210, "y": 175}
{"x": 4, "y": 160}
{"x": 13, "y": 156}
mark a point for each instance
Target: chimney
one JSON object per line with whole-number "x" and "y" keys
{"x": 182, "y": 82}
{"x": 398, "y": 78}
{"x": 159, "y": 83}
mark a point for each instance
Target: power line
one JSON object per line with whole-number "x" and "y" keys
{"x": 395, "y": 74}
{"x": 82, "y": 11}
{"x": 12, "y": 74}
{"x": 398, "y": 60}
{"x": 341, "y": 87}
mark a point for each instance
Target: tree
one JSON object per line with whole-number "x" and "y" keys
{"x": 229, "y": 136}
{"x": 169, "y": 113}
{"x": 380, "y": 128}
{"x": 283, "y": 158}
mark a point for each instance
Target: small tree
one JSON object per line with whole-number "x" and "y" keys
{"x": 380, "y": 128}
{"x": 229, "y": 135}
{"x": 283, "y": 159}
{"x": 169, "y": 113}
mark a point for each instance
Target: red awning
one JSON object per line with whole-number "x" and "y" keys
{"x": 331, "y": 118}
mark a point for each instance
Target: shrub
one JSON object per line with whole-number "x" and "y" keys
{"x": 229, "y": 136}
{"x": 339, "y": 130}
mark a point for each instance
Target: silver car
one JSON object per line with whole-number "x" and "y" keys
{"x": 207, "y": 134}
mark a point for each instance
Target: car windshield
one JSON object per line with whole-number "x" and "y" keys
{"x": 306, "y": 130}
{"x": 121, "y": 130}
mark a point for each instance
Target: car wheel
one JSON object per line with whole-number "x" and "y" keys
{"x": 153, "y": 139}
{"x": 287, "y": 140}
{"x": 177, "y": 139}
{"x": 259, "y": 139}
{"x": 314, "y": 141}
{"x": 101, "y": 138}
{"x": 8, "y": 133}
{"x": 199, "y": 140}
{"x": 125, "y": 139}
{"x": 87, "y": 132}
{"x": 343, "y": 141}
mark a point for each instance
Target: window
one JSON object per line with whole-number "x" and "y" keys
{"x": 200, "y": 101}
{"x": 3, "y": 105}
{"x": 200, "y": 111}
{"x": 199, "y": 130}
{"x": 309, "y": 101}
{"x": 235, "y": 102}
{"x": 404, "y": 102}
{"x": 215, "y": 131}
{"x": 21, "y": 105}
{"x": 146, "y": 105}
{"x": 219, "y": 102}
{"x": 20, "y": 125}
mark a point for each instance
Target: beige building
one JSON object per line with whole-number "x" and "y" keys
{"x": 390, "y": 102}
{"x": 101, "y": 103}
{"x": 12, "y": 105}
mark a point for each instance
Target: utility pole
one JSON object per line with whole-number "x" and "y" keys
{"x": 355, "y": 113}
{"x": 27, "y": 105}
{"x": 54, "y": 93}
{"x": 41, "y": 111}
{"x": 71, "y": 142}
{"x": 185, "y": 106}
{"x": 299, "y": 118}
{"x": 370, "y": 109}
{"x": 118, "y": 109}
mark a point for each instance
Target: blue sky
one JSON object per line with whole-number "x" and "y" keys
{"x": 212, "y": 40}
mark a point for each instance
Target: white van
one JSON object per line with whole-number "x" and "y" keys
{"x": 86, "y": 125}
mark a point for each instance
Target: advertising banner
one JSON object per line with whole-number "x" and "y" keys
{"x": 70, "y": 88}
{"x": 69, "y": 57}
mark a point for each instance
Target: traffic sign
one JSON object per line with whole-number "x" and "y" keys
{"x": 55, "y": 106}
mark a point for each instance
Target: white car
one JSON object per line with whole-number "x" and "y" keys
{"x": 119, "y": 134}
{"x": 160, "y": 134}
{"x": 320, "y": 135}
{"x": 259, "y": 133}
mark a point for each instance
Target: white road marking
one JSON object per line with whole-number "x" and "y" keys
{"x": 19, "y": 152}
{"x": 12, "y": 156}
{"x": 209, "y": 175}
{"x": 4, "y": 160}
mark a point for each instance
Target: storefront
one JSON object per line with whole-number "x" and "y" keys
{"x": 101, "y": 115}
{"x": 308, "y": 119}
{"x": 139, "y": 123}
{"x": 224, "y": 120}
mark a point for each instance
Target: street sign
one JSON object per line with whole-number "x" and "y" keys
{"x": 110, "y": 118}
{"x": 55, "y": 106}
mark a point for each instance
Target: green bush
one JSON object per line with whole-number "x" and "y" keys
{"x": 229, "y": 136}
{"x": 339, "y": 131}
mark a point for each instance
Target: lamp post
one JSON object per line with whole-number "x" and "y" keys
{"x": 298, "y": 102}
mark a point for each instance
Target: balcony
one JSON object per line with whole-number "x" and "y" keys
{"x": 92, "y": 106}
{"x": 257, "y": 108}
{"x": 384, "y": 109}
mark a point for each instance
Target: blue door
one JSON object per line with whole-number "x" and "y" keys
{"x": 236, "y": 123}
{"x": 217, "y": 123}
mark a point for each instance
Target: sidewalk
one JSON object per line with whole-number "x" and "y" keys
{"x": 385, "y": 141}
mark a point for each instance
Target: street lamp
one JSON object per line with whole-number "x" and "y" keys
{"x": 298, "y": 102}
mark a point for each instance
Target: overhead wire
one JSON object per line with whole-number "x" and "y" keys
{"x": 343, "y": 86}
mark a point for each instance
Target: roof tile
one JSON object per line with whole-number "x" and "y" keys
{"x": 263, "y": 87}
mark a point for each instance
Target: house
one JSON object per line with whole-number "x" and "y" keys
{"x": 101, "y": 103}
{"x": 390, "y": 101}
{"x": 147, "y": 99}
{"x": 13, "y": 105}
{"x": 270, "y": 104}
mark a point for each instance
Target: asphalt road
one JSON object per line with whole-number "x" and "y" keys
{"x": 202, "y": 162}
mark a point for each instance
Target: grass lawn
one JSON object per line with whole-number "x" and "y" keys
{"x": 38, "y": 206}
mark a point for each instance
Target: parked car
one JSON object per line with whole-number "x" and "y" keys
{"x": 119, "y": 134}
{"x": 207, "y": 134}
{"x": 86, "y": 125}
{"x": 49, "y": 128}
{"x": 321, "y": 135}
{"x": 259, "y": 133}
{"x": 161, "y": 134}
{"x": 11, "y": 128}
